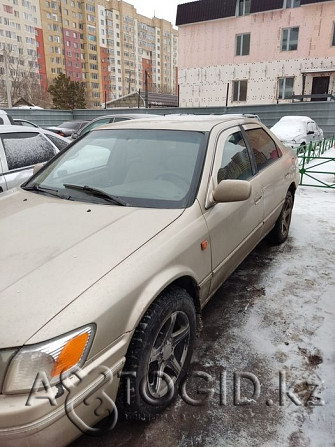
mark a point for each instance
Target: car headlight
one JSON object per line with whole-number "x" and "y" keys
{"x": 60, "y": 355}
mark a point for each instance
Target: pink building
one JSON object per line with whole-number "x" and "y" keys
{"x": 255, "y": 51}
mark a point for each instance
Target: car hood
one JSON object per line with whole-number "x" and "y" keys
{"x": 53, "y": 250}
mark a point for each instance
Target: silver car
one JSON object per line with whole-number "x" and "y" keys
{"x": 112, "y": 250}
{"x": 21, "y": 147}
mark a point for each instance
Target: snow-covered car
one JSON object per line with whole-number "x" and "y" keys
{"x": 106, "y": 266}
{"x": 297, "y": 131}
{"x": 21, "y": 148}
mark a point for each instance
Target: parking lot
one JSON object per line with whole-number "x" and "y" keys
{"x": 271, "y": 329}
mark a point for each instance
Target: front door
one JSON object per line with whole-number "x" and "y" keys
{"x": 320, "y": 86}
{"x": 235, "y": 228}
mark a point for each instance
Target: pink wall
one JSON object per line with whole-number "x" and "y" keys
{"x": 213, "y": 42}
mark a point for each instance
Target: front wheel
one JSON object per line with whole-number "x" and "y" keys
{"x": 279, "y": 233}
{"x": 159, "y": 355}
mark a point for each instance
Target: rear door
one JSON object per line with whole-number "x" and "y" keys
{"x": 272, "y": 171}
{"x": 234, "y": 228}
{"x": 21, "y": 151}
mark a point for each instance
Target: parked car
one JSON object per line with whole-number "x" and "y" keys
{"x": 21, "y": 148}
{"x": 297, "y": 131}
{"x": 111, "y": 251}
{"x": 67, "y": 128}
{"x": 5, "y": 118}
{"x": 108, "y": 119}
{"x": 22, "y": 122}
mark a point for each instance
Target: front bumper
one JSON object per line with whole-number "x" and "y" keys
{"x": 55, "y": 417}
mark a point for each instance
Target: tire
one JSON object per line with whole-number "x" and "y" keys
{"x": 158, "y": 356}
{"x": 279, "y": 233}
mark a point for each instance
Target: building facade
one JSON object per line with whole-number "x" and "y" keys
{"x": 103, "y": 43}
{"x": 239, "y": 52}
{"x": 18, "y": 49}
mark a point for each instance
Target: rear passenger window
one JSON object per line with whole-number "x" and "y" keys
{"x": 235, "y": 164}
{"x": 263, "y": 147}
{"x": 60, "y": 144}
{"x": 26, "y": 149}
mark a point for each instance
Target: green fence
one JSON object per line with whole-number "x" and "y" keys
{"x": 311, "y": 161}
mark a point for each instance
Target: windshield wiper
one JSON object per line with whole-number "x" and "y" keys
{"x": 39, "y": 188}
{"x": 98, "y": 193}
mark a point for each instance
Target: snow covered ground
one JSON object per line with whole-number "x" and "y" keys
{"x": 274, "y": 319}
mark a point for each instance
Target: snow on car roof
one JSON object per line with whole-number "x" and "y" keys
{"x": 295, "y": 118}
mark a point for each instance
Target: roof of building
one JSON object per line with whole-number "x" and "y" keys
{"x": 204, "y": 10}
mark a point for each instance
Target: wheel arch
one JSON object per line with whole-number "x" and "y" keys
{"x": 292, "y": 189}
{"x": 189, "y": 284}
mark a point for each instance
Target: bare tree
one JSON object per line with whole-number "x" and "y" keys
{"x": 19, "y": 78}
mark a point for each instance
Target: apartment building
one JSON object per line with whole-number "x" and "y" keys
{"x": 239, "y": 52}
{"x": 103, "y": 43}
{"x": 18, "y": 53}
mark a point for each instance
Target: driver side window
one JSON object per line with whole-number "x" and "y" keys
{"x": 235, "y": 163}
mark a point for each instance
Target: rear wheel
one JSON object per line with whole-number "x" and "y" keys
{"x": 159, "y": 355}
{"x": 279, "y": 233}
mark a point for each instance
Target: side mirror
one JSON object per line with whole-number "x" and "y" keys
{"x": 74, "y": 135}
{"x": 37, "y": 167}
{"x": 232, "y": 191}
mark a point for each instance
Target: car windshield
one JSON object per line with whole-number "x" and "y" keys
{"x": 145, "y": 168}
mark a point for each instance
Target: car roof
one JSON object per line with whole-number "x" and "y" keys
{"x": 203, "y": 123}
{"x": 6, "y": 128}
{"x": 125, "y": 115}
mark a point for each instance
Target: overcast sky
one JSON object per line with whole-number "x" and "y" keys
{"x": 163, "y": 9}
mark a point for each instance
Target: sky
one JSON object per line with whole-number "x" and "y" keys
{"x": 163, "y": 9}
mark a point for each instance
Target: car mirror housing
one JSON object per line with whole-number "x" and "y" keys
{"x": 232, "y": 191}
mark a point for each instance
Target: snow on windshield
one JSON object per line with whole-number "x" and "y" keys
{"x": 26, "y": 149}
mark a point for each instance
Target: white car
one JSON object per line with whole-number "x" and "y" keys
{"x": 21, "y": 147}
{"x": 297, "y": 131}
{"x": 5, "y": 118}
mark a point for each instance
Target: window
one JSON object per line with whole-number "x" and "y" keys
{"x": 291, "y": 4}
{"x": 263, "y": 147}
{"x": 290, "y": 39}
{"x": 242, "y": 7}
{"x": 285, "y": 88}
{"x": 240, "y": 90}
{"x": 26, "y": 149}
{"x": 60, "y": 144}
{"x": 242, "y": 44}
{"x": 333, "y": 41}
{"x": 235, "y": 164}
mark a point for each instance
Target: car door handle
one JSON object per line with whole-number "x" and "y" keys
{"x": 258, "y": 199}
